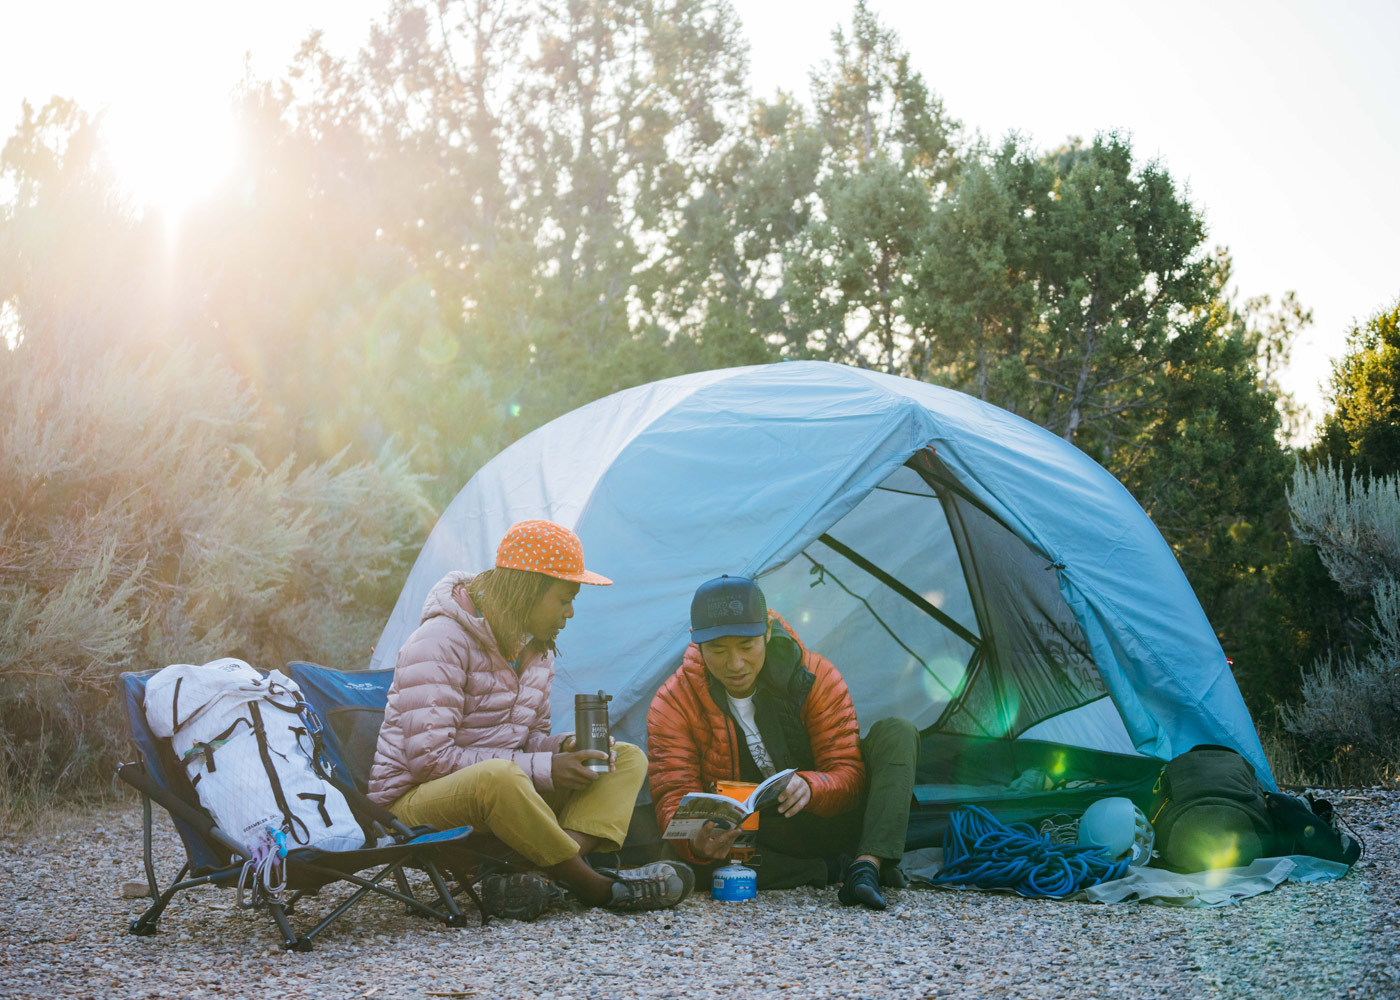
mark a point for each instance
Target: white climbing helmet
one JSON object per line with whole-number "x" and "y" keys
{"x": 1120, "y": 827}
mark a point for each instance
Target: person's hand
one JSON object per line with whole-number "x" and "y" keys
{"x": 713, "y": 842}
{"x": 570, "y": 742}
{"x": 567, "y": 770}
{"x": 795, "y": 796}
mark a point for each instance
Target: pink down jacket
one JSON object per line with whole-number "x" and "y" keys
{"x": 455, "y": 701}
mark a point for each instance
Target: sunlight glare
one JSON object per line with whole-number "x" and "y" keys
{"x": 166, "y": 155}
{"x": 9, "y": 324}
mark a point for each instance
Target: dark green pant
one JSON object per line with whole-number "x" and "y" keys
{"x": 793, "y": 851}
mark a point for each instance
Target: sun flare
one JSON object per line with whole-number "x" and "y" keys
{"x": 166, "y": 156}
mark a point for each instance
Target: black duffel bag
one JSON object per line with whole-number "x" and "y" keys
{"x": 1310, "y": 828}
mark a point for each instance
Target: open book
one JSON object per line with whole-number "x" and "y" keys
{"x": 698, "y": 808}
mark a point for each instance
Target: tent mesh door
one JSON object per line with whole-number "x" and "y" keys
{"x": 935, "y": 612}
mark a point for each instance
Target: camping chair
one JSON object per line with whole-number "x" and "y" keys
{"x": 352, "y": 703}
{"x": 214, "y": 858}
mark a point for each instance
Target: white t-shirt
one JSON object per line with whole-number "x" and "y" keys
{"x": 743, "y": 711}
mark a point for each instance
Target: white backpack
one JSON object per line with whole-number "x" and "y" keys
{"x": 249, "y": 746}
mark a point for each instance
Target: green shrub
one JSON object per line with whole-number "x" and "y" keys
{"x": 1349, "y": 706}
{"x": 138, "y": 528}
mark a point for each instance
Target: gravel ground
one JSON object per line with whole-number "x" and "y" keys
{"x": 64, "y": 935}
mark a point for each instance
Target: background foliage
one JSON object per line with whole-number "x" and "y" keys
{"x": 227, "y": 433}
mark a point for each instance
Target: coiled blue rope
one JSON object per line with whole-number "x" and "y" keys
{"x": 981, "y": 851}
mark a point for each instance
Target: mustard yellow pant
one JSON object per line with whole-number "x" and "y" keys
{"x": 497, "y": 797}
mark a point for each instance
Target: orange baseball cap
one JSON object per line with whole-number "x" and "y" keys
{"x": 548, "y": 548}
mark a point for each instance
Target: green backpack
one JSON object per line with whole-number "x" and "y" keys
{"x": 1209, "y": 811}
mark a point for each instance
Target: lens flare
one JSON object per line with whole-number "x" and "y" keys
{"x": 1225, "y": 854}
{"x": 1007, "y": 712}
{"x": 10, "y": 331}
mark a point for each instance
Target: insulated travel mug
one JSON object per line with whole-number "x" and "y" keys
{"x": 591, "y": 727}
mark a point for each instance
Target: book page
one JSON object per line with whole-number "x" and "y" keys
{"x": 698, "y": 808}
{"x": 768, "y": 791}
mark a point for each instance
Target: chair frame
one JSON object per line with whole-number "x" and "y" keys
{"x": 484, "y": 854}
{"x": 308, "y": 869}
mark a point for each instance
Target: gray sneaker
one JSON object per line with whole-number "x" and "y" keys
{"x": 656, "y": 886}
{"x": 522, "y": 896}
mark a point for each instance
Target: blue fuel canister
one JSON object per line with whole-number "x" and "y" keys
{"x": 734, "y": 883}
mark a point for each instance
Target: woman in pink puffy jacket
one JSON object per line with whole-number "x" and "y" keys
{"x": 466, "y": 735}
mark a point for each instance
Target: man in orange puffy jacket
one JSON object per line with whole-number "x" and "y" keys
{"x": 748, "y": 701}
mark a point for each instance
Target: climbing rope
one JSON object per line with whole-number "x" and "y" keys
{"x": 982, "y": 852}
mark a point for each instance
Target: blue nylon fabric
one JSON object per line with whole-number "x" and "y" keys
{"x": 735, "y": 479}
{"x": 1153, "y": 644}
{"x": 325, "y": 689}
{"x": 549, "y": 473}
{"x": 741, "y": 474}
{"x": 203, "y": 855}
{"x": 442, "y": 836}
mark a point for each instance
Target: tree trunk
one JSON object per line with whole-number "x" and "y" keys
{"x": 1086, "y": 366}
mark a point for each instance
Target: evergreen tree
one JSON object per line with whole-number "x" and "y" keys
{"x": 719, "y": 287}
{"x": 978, "y": 289}
{"x": 850, "y": 274}
{"x": 1363, "y": 430}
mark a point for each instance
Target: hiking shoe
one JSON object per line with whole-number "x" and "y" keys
{"x": 522, "y": 896}
{"x": 861, "y": 885}
{"x": 656, "y": 886}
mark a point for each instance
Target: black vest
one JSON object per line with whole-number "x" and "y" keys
{"x": 783, "y": 686}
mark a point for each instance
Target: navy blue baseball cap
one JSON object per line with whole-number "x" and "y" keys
{"x": 727, "y": 605}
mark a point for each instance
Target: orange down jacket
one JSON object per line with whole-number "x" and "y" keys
{"x": 693, "y": 742}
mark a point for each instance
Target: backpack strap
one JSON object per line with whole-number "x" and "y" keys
{"x": 206, "y": 749}
{"x": 289, "y": 818}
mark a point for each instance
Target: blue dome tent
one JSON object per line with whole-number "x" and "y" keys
{"x": 963, "y": 568}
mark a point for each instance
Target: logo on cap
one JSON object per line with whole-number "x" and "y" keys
{"x": 727, "y": 605}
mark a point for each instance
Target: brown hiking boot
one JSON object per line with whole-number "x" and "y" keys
{"x": 522, "y": 896}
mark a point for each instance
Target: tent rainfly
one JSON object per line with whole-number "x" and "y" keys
{"x": 962, "y": 567}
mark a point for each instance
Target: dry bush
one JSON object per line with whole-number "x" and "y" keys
{"x": 1348, "y": 714}
{"x": 1296, "y": 763}
{"x": 137, "y": 528}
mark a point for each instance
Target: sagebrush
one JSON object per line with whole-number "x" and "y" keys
{"x": 138, "y": 528}
{"x": 1349, "y": 707}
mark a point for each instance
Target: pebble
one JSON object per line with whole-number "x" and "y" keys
{"x": 65, "y": 936}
